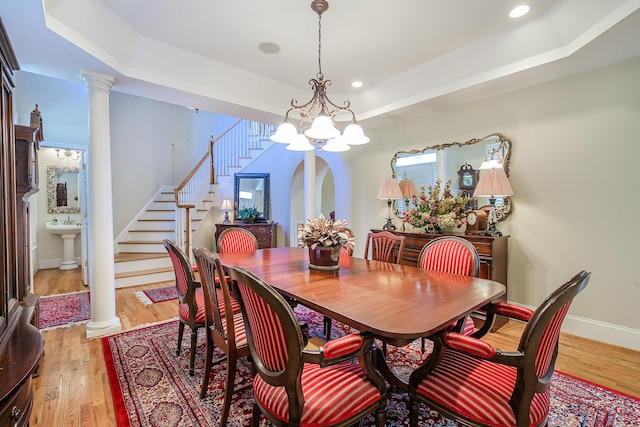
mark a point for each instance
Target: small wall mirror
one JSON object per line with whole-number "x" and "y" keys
{"x": 450, "y": 161}
{"x": 252, "y": 191}
{"x": 63, "y": 189}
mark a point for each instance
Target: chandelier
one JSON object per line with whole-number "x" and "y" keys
{"x": 321, "y": 111}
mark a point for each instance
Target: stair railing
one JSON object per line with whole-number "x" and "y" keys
{"x": 225, "y": 153}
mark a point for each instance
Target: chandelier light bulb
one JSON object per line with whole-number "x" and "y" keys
{"x": 336, "y": 145}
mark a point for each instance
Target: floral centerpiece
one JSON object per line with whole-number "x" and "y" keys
{"x": 433, "y": 211}
{"x": 324, "y": 235}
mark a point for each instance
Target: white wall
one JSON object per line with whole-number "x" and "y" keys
{"x": 574, "y": 169}
{"x": 574, "y": 172}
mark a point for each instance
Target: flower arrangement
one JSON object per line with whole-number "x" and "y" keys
{"x": 435, "y": 212}
{"x": 322, "y": 233}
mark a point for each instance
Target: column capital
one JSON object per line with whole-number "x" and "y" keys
{"x": 97, "y": 80}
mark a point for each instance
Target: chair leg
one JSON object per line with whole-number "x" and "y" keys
{"x": 422, "y": 345}
{"x": 413, "y": 412}
{"x": 381, "y": 417}
{"x": 384, "y": 348}
{"x": 207, "y": 368}
{"x": 229, "y": 389}
{"x": 180, "y": 333}
{"x": 194, "y": 340}
{"x": 327, "y": 328}
{"x": 255, "y": 416}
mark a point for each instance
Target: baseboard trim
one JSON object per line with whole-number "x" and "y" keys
{"x": 595, "y": 330}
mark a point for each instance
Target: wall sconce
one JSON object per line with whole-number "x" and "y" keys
{"x": 226, "y": 207}
{"x": 493, "y": 183}
{"x": 389, "y": 191}
{"x": 63, "y": 154}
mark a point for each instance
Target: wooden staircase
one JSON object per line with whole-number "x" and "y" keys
{"x": 141, "y": 257}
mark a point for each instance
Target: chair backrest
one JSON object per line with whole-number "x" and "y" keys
{"x": 450, "y": 254}
{"x": 273, "y": 333}
{"x": 209, "y": 267}
{"x": 346, "y": 250}
{"x": 185, "y": 282}
{"x": 385, "y": 246}
{"x": 539, "y": 342}
{"x": 236, "y": 239}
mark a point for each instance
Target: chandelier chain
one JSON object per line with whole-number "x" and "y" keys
{"x": 319, "y": 45}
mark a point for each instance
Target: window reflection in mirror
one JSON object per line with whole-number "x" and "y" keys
{"x": 424, "y": 166}
{"x": 63, "y": 190}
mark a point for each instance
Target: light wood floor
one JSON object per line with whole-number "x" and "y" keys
{"x": 73, "y": 389}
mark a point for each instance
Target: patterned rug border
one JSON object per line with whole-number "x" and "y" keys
{"x": 65, "y": 325}
{"x": 569, "y": 412}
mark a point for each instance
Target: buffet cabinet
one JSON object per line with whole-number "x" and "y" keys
{"x": 492, "y": 251}
{"x": 20, "y": 341}
{"x": 266, "y": 233}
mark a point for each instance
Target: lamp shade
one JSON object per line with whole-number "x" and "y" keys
{"x": 389, "y": 190}
{"x": 493, "y": 182}
{"x": 408, "y": 188}
{"x": 285, "y": 134}
{"x": 354, "y": 135}
{"x": 322, "y": 128}
{"x": 226, "y": 205}
{"x": 300, "y": 143}
{"x": 336, "y": 144}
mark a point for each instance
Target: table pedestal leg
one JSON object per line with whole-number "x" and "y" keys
{"x": 380, "y": 362}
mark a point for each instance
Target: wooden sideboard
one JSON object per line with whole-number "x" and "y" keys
{"x": 492, "y": 251}
{"x": 266, "y": 233}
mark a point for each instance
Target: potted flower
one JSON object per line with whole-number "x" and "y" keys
{"x": 437, "y": 212}
{"x": 248, "y": 213}
{"x": 324, "y": 238}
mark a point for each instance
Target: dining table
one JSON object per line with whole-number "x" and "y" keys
{"x": 396, "y": 303}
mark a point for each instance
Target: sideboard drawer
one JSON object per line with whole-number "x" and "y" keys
{"x": 16, "y": 411}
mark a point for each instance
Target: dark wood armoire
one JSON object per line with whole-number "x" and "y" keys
{"x": 20, "y": 341}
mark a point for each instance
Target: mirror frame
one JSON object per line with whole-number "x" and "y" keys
{"x": 52, "y": 173}
{"x": 266, "y": 195}
{"x": 506, "y": 160}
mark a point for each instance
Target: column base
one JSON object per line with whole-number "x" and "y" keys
{"x": 69, "y": 266}
{"x": 99, "y": 329}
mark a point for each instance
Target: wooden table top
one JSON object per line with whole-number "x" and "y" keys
{"x": 398, "y": 302}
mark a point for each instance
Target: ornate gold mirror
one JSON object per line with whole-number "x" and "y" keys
{"x": 458, "y": 161}
{"x": 63, "y": 195}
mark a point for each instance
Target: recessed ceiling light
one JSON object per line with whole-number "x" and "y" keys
{"x": 269, "y": 48}
{"x": 357, "y": 83}
{"x": 519, "y": 11}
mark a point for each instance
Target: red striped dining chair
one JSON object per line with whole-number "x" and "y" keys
{"x": 302, "y": 387}
{"x": 190, "y": 301}
{"x": 472, "y": 382}
{"x": 455, "y": 255}
{"x": 236, "y": 239}
{"x": 224, "y": 326}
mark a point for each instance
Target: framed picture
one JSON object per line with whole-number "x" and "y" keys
{"x": 467, "y": 177}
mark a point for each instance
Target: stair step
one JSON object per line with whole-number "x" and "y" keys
{"x": 144, "y": 272}
{"x": 138, "y": 256}
{"x": 157, "y": 230}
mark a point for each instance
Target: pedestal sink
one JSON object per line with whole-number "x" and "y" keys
{"x": 68, "y": 233}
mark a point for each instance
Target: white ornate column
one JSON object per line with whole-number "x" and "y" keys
{"x": 100, "y": 209}
{"x": 309, "y": 184}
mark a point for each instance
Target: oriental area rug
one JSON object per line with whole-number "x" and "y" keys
{"x": 62, "y": 310}
{"x": 151, "y": 386}
{"x": 151, "y": 296}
